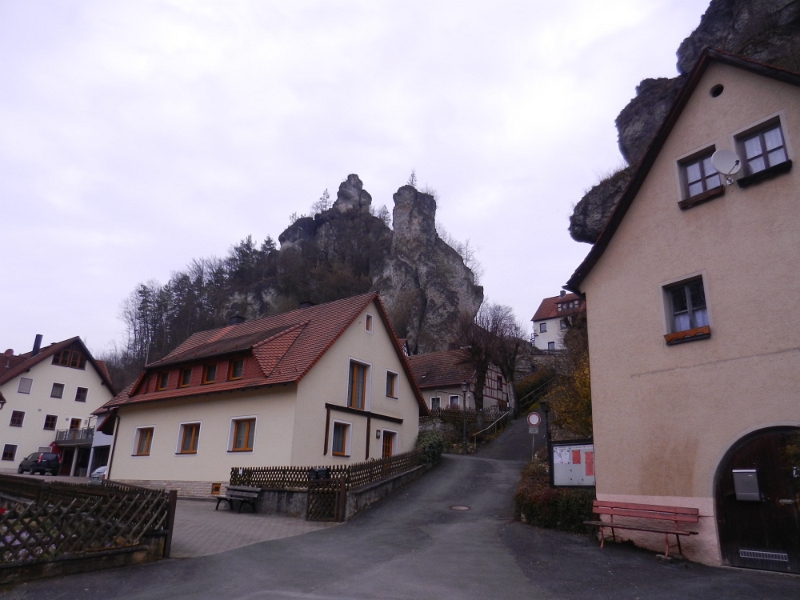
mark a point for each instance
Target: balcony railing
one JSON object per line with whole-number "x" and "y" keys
{"x": 75, "y": 435}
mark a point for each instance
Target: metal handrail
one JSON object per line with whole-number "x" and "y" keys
{"x": 504, "y": 415}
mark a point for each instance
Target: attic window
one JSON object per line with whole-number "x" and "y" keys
{"x": 185, "y": 378}
{"x": 236, "y": 369}
{"x": 70, "y": 358}
{"x": 209, "y": 373}
{"x": 162, "y": 381}
{"x": 368, "y": 323}
{"x": 700, "y": 181}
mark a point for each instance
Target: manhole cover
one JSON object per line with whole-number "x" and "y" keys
{"x": 459, "y": 507}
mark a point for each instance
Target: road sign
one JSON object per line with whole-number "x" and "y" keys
{"x": 533, "y": 430}
{"x": 534, "y": 419}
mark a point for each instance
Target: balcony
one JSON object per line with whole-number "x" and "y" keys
{"x": 75, "y": 437}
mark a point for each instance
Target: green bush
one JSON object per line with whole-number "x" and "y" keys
{"x": 552, "y": 508}
{"x": 432, "y": 445}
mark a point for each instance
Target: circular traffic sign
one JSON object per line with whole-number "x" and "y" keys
{"x": 534, "y": 419}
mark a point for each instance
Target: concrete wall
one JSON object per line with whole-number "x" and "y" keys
{"x": 38, "y": 404}
{"x": 665, "y": 415}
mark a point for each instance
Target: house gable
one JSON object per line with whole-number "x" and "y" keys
{"x": 761, "y": 71}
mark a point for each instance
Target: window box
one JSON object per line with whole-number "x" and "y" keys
{"x": 690, "y": 335}
{"x": 767, "y": 173}
{"x": 715, "y": 192}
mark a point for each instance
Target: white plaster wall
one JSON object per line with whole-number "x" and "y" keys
{"x": 38, "y": 404}
{"x": 328, "y": 381}
{"x": 554, "y": 333}
{"x": 273, "y": 409}
{"x": 664, "y": 416}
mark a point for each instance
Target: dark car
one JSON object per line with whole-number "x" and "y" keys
{"x": 40, "y": 462}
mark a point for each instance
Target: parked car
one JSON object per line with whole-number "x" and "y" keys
{"x": 98, "y": 474}
{"x": 28, "y": 462}
{"x": 46, "y": 463}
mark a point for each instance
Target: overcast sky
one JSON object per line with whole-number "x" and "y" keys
{"x": 135, "y": 136}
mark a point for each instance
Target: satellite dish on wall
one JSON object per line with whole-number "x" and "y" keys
{"x": 727, "y": 163}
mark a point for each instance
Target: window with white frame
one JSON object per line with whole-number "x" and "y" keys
{"x": 454, "y": 401}
{"x": 57, "y": 391}
{"x": 25, "y": 385}
{"x": 543, "y": 327}
{"x": 699, "y": 175}
{"x": 436, "y": 402}
{"x": 243, "y": 432}
{"x": 391, "y": 384}
{"x": 687, "y": 305}
{"x": 763, "y": 148}
{"x": 368, "y": 322}
{"x": 143, "y": 441}
{"x": 551, "y": 345}
{"x": 357, "y": 385}
{"x": 340, "y": 440}
{"x": 189, "y": 438}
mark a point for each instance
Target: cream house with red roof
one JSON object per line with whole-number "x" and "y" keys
{"x": 552, "y": 318}
{"x": 47, "y": 398}
{"x": 323, "y": 385}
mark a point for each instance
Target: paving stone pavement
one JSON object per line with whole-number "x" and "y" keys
{"x": 200, "y": 530}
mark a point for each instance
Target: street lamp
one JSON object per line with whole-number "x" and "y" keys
{"x": 464, "y": 388}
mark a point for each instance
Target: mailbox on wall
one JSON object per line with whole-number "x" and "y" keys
{"x": 745, "y": 484}
{"x": 572, "y": 463}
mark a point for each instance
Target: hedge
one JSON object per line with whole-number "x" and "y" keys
{"x": 535, "y": 502}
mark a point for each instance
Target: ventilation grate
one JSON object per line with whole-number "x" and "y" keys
{"x": 759, "y": 555}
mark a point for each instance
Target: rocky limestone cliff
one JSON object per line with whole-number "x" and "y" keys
{"x": 764, "y": 30}
{"x": 423, "y": 282}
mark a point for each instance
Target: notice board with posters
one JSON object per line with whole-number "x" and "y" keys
{"x": 572, "y": 463}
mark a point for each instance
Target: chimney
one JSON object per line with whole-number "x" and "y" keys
{"x": 236, "y": 319}
{"x": 562, "y": 293}
{"x": 307, "y": 304}
{"x": 37, "y": 345}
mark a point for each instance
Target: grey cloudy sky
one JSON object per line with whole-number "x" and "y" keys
{"x": 135, "y": 136}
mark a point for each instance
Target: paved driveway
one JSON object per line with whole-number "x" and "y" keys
{"x": 414, "y": 545}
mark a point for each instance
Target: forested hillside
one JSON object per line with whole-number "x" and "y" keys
{"x": 344, "y": 248}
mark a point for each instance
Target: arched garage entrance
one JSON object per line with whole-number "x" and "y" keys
{"x": 758, "y": 501}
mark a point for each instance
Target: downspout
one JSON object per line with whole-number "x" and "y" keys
{"x": 113, "y": 445}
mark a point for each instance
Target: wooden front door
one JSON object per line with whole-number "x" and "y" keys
{"x": 758, "y": 501}
{"x": 388, "y": 444}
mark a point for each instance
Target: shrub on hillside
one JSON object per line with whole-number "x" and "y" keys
{"x": 537, "y": 503}
{"x": 432, "y": 445}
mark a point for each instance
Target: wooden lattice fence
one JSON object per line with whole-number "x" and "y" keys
{"x": 47, "y": 521}
{"x": 296, "y": 478}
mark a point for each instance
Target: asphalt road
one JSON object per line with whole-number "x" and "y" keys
{"x": 415, "y": 545}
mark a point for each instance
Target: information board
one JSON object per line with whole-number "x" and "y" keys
{"x": 573, "y": 464}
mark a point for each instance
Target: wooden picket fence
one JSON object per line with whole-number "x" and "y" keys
{"x": 297, "y": 478}
{"x": 45, "y": 521}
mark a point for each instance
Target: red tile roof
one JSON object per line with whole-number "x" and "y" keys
{"x": 286, "y": 347}
{"x": 12, "y": 366}
{"x": 440, "y": 369}
{"x": 548, "y": 309}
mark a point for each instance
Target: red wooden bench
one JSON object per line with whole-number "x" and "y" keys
{"x": 644, "y": 512}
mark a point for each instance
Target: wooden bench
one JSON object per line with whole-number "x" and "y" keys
{"x": 241, "y": 493}
{"x": 642, "y": 513}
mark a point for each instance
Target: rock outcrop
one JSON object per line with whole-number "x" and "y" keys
{"x": 423, "y": 282}
{"x": 764, "y": 30}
